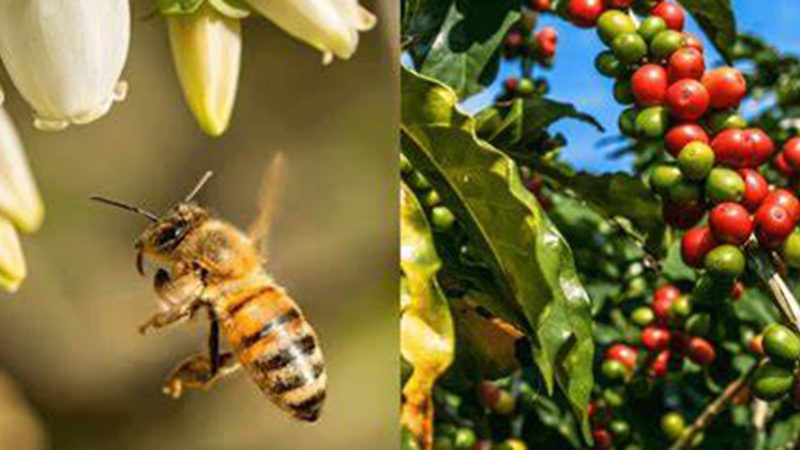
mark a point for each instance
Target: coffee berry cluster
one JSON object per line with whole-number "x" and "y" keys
{"x": 670, "y": 333}
{"x": 530, "y": 47}
{"x": 715, "y": 158}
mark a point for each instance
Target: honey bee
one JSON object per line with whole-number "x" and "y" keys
{"x": 208, "y": 264}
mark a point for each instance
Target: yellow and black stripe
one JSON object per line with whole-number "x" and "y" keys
{"x": 279, "y": 349}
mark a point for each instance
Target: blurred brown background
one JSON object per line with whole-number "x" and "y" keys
{"x": 69, "y": 339}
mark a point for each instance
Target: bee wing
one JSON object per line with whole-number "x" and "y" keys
{"x": 270, "y": 194}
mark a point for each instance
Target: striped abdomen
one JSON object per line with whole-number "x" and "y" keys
{"x": 278, "y": 348}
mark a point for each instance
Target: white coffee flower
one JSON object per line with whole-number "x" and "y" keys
{"x": 66, "y": 56}
{"x": 19, "y": 197}
{"x": 331, "y": 26}
{"x": 207, "y": 48}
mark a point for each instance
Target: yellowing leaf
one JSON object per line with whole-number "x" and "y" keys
{"x": 426, "y": 326}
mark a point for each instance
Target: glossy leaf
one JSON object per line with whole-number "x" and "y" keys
{"x": 426, "y": 325}
{"x": 614, "y": 195}
{"x": 523, "y": 120}
{"x": 717, "y": 20}
{"x": 465, "y": 52}
{"x": 529, "y": 259}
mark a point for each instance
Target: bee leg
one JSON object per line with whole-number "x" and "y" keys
{"x": 180, "y": 295}
{"x": 194, "y": 373}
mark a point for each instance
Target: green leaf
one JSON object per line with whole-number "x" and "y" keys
{"x": 784, "y": 433}
{"x": 168, "y": 7}
{"x": 716, "y": 19}
{"x": 464, "y": 53}
{"x": 522, "y": 121}
{"x": 614, "y": 195}
{"x": 528, "y": 257}
{"x": 426, "y": 325}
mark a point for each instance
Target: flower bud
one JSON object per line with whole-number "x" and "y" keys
{"x": 330, "y": 26}
{"x": 19, "y": 198}
{"x": 12, "y": 261}
{"x": 207, "y": 48}
{"x": 65, "y": 56}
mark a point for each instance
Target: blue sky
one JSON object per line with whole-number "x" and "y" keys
{"x": 573, "y": 78}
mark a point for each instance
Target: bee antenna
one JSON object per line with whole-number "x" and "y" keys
{"x": 125, "y": 206}
{"x": 199, "y": 186}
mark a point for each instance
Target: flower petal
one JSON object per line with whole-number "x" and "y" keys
{"x": 206, "y": 48}
{"x": 19, "y": 198}
{"x": 65, "y": 56}
{"x": 330, "y": 26}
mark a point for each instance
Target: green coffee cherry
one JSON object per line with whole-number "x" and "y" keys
{"x": 629, "y": 48}
{"x": 781, "y": 344}
{"x": 696, "y": 160}
{"x": 642, "y": 316}
{"x": 651, "y": 26}
{"x": 724, "y": 185}
{"x": 722, "y": 120}
{"x": 663, "y": 177}
{"x": 622, "y": 92}
{"x": 652, "y": 122}
{"x": 771, "y": 382}
{"x": 699, "y": 324}
{"x": 726, "y": 261}
{"x": 673, "y": 424}
{"x": 608, "y": 65}
{"x": 613, "y": 23}
{"x": 627, "y": 122}
{"x": 665, "y": 43}
{"x": 442, "y": 218}
{"x": 791, "y": 250}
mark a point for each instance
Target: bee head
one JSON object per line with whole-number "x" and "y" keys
{"x": 163, "y": 235}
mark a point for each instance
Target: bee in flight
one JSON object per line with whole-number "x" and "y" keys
{"x": 205, "y": 263}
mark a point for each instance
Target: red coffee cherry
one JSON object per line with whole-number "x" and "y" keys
{"x": 623, "y": 353}
{"x": 786, "y": 199}
{"x": 773, "y": 224}
{"x": 756, "y": 345}
{"x": 692, "y": 41}
{"x": 695, "y": 245}
{"x": 755, "y": 189}
{"x": 546, "y": 40}
{"x": 791, "y": 152}
{"x": 660, "y": 364}
{"x": 742, "y": 148}
{"x": 687, "y": 62}
{"x": 666, "y": 292}
{"x": 683, "y": 216}
{"x": 730, "y": 222}
{"x": 782, "y": 165}
{"x": 649, "y": 85}
{"x": 584, "y": 13}
{"x": 671, "y": 13}
{"x": 726, "y": 86}
{"x": 619, "y": 4}
{"x": 655, "y": 339}
{"x": 541, "y": 5}
{"x": 737, "y": 290}
{"x": 511, "y": 84}
{"x": 680, "y": 135}
{"x": 663, "y": 299}
{"x": 602, "y": 438}
{"x": 700, "y": 351}
{"x": 687, "y": 99}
